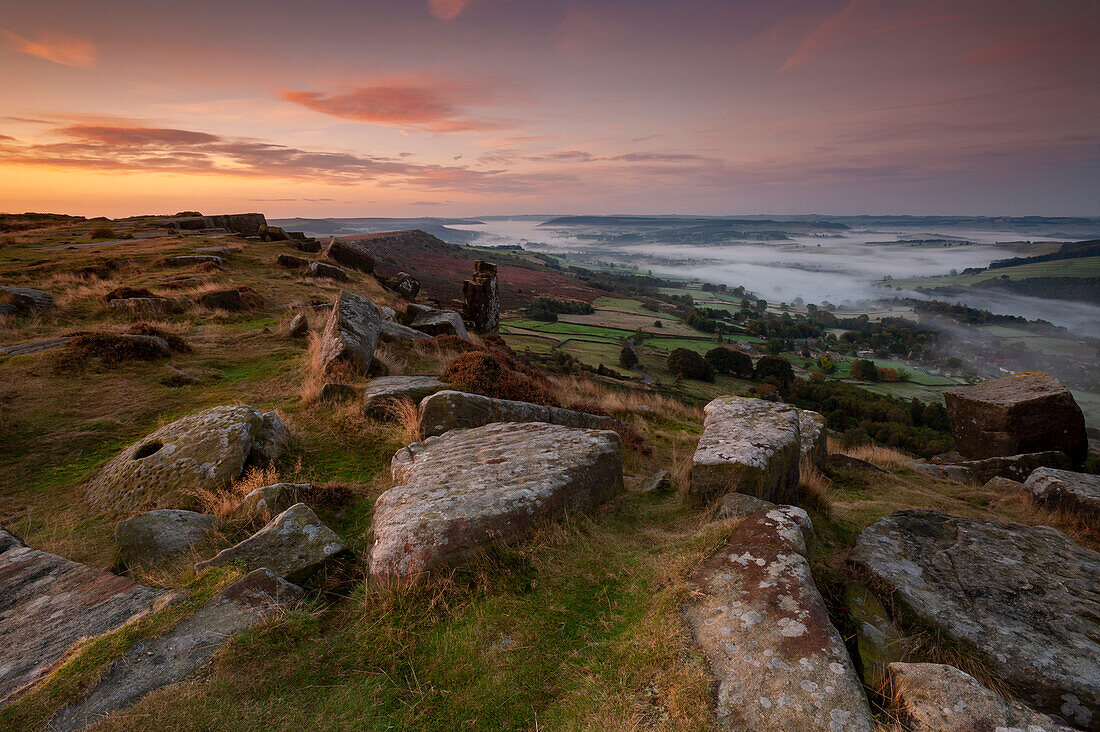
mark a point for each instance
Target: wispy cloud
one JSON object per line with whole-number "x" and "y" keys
{"x": 56, "y": 47}
{"x": 447, "y": 9}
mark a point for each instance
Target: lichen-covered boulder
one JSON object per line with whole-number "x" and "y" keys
{"x": 382, "y": 392}
{"x": 813, "y": 435}
{"x": 878, "y": 641}
{"x": 441, "y": 322}
{"x": 404, "y": 284}
{"x": 1020, "y": 413}
{"x": 47, "y": 604}
{"x": 1022, "y": 597}
{"x": 748, "y": 446}
{"x": 933, "y": 697}
{"x": 452, "y": 410}
{"x": 1064, "y": 488}
{"x": 739, "y": 505}
{"x": 203, "y": 451}
{"x": 271, "y": 440}
{"x": 350, "y": 254}
{"x": 467, "y": 488}
{"x": 758, "y": 616}
{"x": 326, "y": 271}
{"x": 271, "y": 500}
{"x": 166, "y": 659}
{"x": 351, "y": 333}
{"x": 154, "y": 536}
{"x": 293, "y": 545}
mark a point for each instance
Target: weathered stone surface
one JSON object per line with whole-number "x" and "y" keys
{"x": 272, "y": 233}
{"x": 27, "y": 299}
{"x": 326, "y": 271}
{"x": 1022, "y": 597}
{"x": 311, "y": 246}
{"x": 404, "y": 284}
{"x": 149, "y": 305}
{"x": 441, "y": 322}
{"x": 24, "y": 349}
{"x": 395, "y": 332}
{"x": 748, "y": 446}
{"x": 350, "y": 254}
{"x": 293, "y": 545}
{"x": 1013, "y": 467}
{"x": 483, "y": 298}
{"x": 271, "y": 500}
{"x": 203, "y": 451}
{"x": 932, "y": 697}
{"x": 246, "y": 224}
{"x": 351, "y": 333}
{"x": 658, "y": 482}
{"x": 153, "y": 536}
{"x": 813, "y": 435}
{"x": 186, "y": 260}
{"x": 164, "y": 660}
{"x": 228, "y": 299}
{"x": 739, "y": 505}
{"x": 48, "y": 603}
{"x": 878, "y": 641}
{"x": 298, "y": 326}
{"x": 384, "y": 391}
{"x": 1003, "y": 485}
{"x": 415, "y": 310}
{"x": 452, "y": 410}
{"x": 1074, "y": 491}
{"x": 270, "y": 441}
{"x": 290, "y": 261}
{"x": 756, "y": 613}
{"x": 1021, "y": 413}
{"x": 954, "y": 473}
{"x": 463, "y": 490}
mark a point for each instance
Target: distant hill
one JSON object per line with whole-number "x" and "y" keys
{"x": 439, "y": 227}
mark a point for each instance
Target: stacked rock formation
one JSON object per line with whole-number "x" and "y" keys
{"x": 482, "y": 298}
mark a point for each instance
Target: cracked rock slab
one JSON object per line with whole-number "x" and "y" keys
{"x": 1025, "y": 598}
{"x": 450, "y": 410}
{"x": 757, "y": 614}
{"x": 468, "y": 488}
{"x": 748, "y": 446}
{"x": 293, "y": 545}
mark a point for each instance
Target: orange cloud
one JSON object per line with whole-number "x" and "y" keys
{"x": 56, "y": 47}
{"x": 447, "y": 9}
{"x": 425, "y": 103}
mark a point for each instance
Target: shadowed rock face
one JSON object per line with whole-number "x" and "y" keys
{"x": 451, "y": 410}
{"x": 755, "y": 611}
{"x": 1075, "y": 491}
{"x": 159, "y": 662}
{"x": 154, "y": 536}
{"x": 748, "y": 446}
{"x": 48, "y": 603}
{"x": 482, "y": 298}
{"x": 938, "y": 698}
{"x": 351, "y": 332}
{"x": 1021, "y": 413}
{"x": 468, "y": 488}
{"x": 349, "y": 254}
{"x": 1025, "y": 598}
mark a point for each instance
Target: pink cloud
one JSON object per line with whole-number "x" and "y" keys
{"x": 447, "y": 9}
{"x": 56, "y": 47}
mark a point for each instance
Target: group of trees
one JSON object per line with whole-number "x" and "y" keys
{"x": 868, "y": 371}
{"x": 548, "y": 309}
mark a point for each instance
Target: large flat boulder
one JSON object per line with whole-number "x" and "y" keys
{"x": 467, "y": 488}
{"x": 813, "y": 434}
{"x": 351, "y": 333}
{"x": 1023, "y": 598}
{"x": 933, "y": 697}
{"x": 440, "y": 322}
{"x": 748, "y": 446}
{"x": 293, "y": 545}
{"x": 385, "y": 390}
{"x": 1074, "y": 491}
{"x": 187, "y": 260}
{"x": 166, "y": 659}
{"x": 757, "y": 614}
{"x": 48, "y": 603}
{"x": 1020, "y": 413}
{"x": 350, "y": 254}
{"x": 452, "y": 410}
{"x": 203, "y": 451}
{"x": 154, "y": 536}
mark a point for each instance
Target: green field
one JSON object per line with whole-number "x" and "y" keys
{"x": 1080, "y": 267}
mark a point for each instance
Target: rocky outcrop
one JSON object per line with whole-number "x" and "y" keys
{"x": 932, "y": 697}
{"x": 482, "y": 298}
{"x": 1021, "y": 413}
{"x": 351, "y": 333}
{"x": 1022, "y": 597}
{"x": 813, "y": 435}
{"x": 271, "y": 500}
{"x": 441, "y": 322}
{"x": 1073, "y": 491}
{"x": 748, "y": 446}
{"x": 270, "y": 441}
{"x": 203, "y": 451}
{"x": 350, "y": 254}
{"x": 272, "y": 233}
{"x": 154, "y": 536}
{"x": 48, "y": 603}
{"x": 186, "y": 260}
{"x": 164, "y": 660}
{"x": 755, "y": 611}
{"x": 404, "y": 284}
{"x": 293, "y": 545}
{"x": 468, "y": 488}
{"x": 452, "y": 410}
{"x": 326, "y": 272}
{"x": 289, "y": 261}
{"x": 246, "y": 224}
{"x": 1013, "y": 467}
{"x": 382, "y": 392}
{"x": 26, "y": 299}
{"x": 227, "y": 299}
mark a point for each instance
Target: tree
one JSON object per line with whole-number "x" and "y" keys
{"x": 690, "y": 365}
{"x": 864, "y": 369}
{"x": 775, "y": 366}
{"x": 658, "y": 324}
{"x": 730, "y": 361}
{"x": 627, "y": 357}
{"x": 774, "y": 346}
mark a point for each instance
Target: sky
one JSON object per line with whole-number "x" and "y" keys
{"x": 481, "y": 107}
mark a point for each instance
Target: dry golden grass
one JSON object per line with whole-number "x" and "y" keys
{"x": 884, "y": 457}
{"x": 391, "y": 360}
{"x": 406, "y": 416}
{"x": 815, "y": 486}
